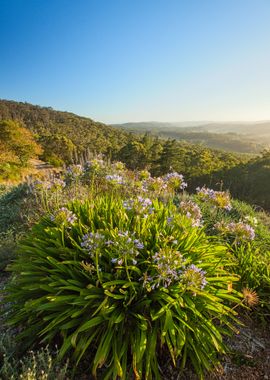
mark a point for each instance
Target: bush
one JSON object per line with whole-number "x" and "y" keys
{"x": 124, "y": 284}
{"x": 246, "y": 233}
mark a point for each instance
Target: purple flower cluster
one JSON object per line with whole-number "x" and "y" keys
{"x": 115, "y": 179}
{"x": 92, "y": 241}
{"x": 139, "y": 205}
{"x": 241, "y": 230}
{"x": 194, "y": 277}
{"x": 58, "y": 183}
{"x": 175, "y": 180}
{"x": 52, "y": 184}
{"x": 74, "y": 171}
{"x": 124, "y": 247}
{"x": 219, "y": 199}
{"x": 167, "y": 264}
{"x": 154, "y": 185}
{"x": 192, "y": 211}
{"x": 64, "y": 216}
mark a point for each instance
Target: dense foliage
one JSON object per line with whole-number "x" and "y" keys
{"x": 125, "y": 270}
{"x": 63, "y": 134}
{"x": 247, "y": 181}
{"x": 17, "y": 147}
{"x": 66, "y": 137}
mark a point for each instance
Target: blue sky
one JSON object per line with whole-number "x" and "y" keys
{"x": 138, "y": 60}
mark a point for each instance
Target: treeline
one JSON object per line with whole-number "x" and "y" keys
{"x": 62, "y": 137}
{"x": 248, "y": 181}
{"x": 65, "y": 137}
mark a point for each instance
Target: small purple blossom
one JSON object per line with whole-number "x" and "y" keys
{"x": 138, "y": 244}
{"x": 219, "y": 199}
{"x": 170, "y": 220}
{"x": 92, "y": 241}
{"x": 115, "y": 179}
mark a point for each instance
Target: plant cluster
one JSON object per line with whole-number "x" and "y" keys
{"x": 116, "y": 286}
{"x": 123, "y": 270}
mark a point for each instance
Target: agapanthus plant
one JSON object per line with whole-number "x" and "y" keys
{"x": 122, "y": 290}
{"x": 240, "y": 231}
{"x": 219, "y": 199}
{"x": 192, "y": 211}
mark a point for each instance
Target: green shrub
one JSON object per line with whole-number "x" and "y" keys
{"x": 123, "y": 284}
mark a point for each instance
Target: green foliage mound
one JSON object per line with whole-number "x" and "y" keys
{"x": 123, "y": 286}
{"x": 17, "y": 147}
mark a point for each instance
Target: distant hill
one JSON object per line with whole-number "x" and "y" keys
{"x": 63, "y": 134}
{"x": 232, "y": 137}
{"x": 65, "y": 137}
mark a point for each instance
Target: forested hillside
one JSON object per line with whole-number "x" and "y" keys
{"x": 63, "y": 134}
{"x": 64, "y": 138}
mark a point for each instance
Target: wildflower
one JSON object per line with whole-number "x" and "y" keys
{"x": 250, "y": 297}
{"x": 92, "y": 241}
{"x": 169, "y": 220}
{"x": 194, "y": 277}
{"x": 147, "y": 282}
{"x": 138, "y": 244}
{"x": 125, "y": 247}
{"x": 154, "y": 185}
{"x": 175, "y": 180}
{"x": 241, "y": 230}
{"x": 74, "y": 171}
{"x": 115, "y": 179}
{"x": 42, "y": 185}
{"x": 143, "y": 175}
{"x": 128, "y": 204}
{"x": 118, "y": 166}
{"x": 167, "y": 264}
{"x": 192, "y": 211}
{"x": 95, "y": 165}
{"x": 64, "y": 216}
{"x": 219, "y": 199}
{"x": 140, "y": 205}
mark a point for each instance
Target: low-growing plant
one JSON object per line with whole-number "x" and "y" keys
{"x": 123, "y": 287}
{"x": 34, "y": 365}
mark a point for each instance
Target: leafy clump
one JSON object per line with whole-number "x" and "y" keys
{"x": 123, "y": 283}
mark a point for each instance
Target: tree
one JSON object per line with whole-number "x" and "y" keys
{"x": 18, "y": 141}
